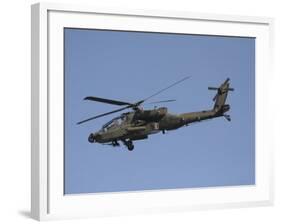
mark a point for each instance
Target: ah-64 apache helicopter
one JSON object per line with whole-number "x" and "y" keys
{"x": 139, "y": 123}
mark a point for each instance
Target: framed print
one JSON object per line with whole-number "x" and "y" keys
{"x": 148, "y": 111}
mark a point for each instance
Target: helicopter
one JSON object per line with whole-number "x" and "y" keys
{"x": 138, "y": 123}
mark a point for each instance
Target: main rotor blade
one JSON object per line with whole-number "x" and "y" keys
{"x": 103, "y": 100}
{"x": 101, "y": 115}
{"x": 168, "y": 87}
{"x": 129, "y": 105}
{"x": 162, "y": 101}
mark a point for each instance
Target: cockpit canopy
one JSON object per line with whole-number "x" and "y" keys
{"x": 115, "y": 122}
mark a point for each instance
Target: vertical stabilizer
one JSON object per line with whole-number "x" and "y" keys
{"x": 220, "y": 97}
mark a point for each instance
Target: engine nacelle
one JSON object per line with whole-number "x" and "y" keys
{"x": 151, "y": 115}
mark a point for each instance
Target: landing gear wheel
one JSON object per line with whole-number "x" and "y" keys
{"x": 115, "y": 143}
{"x": 129, "y": 144}
{"x": 130, "y": 147}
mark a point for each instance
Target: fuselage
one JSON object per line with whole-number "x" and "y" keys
{"x": 137, "y": 126}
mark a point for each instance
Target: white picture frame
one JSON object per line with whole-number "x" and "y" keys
{"x": 48, "y": 201}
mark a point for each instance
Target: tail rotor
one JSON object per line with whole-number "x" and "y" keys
{"x": 222, "y": 89}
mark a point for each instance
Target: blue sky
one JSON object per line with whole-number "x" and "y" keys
{"x": 130, "y": 66}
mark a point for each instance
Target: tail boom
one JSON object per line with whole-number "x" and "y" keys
{"x": 171, "y": 122}
{"x": 219, "y": 109}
